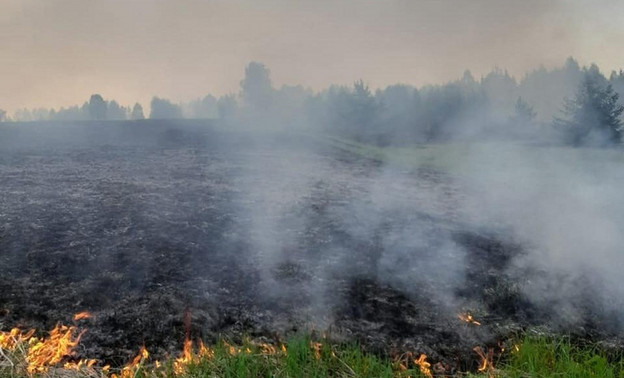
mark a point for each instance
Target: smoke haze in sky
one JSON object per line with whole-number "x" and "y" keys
{"x": 57, "y": 53}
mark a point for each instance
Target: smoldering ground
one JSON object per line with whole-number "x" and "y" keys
{"x": 269, "y": 233}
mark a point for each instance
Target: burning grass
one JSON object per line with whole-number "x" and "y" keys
{"x": 24, "y": 355}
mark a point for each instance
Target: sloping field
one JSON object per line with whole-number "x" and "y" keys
{"x": 260, "y": 234}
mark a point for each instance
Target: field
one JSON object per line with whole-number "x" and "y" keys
{"x": 166, "y": 230}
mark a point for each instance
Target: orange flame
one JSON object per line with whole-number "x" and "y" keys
{"x": 10, "y": 340}
{"x": 423, "y": 365}
{"x": 486, "y": 363}
{"x": 44, "y": 353}
{"x": 82, "y": 315}
{"x": 316, "y": 347}
{"x": 467, "y": 317}
{"x": 204, "y": 351}
{"x": 267, "y": 349}
{"x": 179, "y": 365}
{"x": 187, "y": 357}
{"x": 130, "y": 370}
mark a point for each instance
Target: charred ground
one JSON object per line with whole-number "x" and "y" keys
{"x": 261, "y": 234}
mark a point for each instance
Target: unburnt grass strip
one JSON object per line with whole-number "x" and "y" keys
{"x": 304, "y": 356}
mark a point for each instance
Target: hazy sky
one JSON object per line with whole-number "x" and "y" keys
{"x": 58, "y": 52}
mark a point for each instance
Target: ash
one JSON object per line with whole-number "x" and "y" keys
{"x": 259, "y": 234}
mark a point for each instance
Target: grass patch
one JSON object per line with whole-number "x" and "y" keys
{"x": 559, "y": 357}
{"x": 304, "y": 356}
{"x": 471, "y": 158}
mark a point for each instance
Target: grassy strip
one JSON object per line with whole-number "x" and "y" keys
{"x": 471, "y": 158}
{"x": 559, "y": 357}
{"x": 302, "y": 357}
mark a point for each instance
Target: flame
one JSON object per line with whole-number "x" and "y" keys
{"x": 187, "y": 357}
{"x": 486, "y": 363}
{"x": 423, "y": 365}
{"x": 179, "y": 365}
{"x": 230, "y": 349}
{"x": 204, "y": 351}
{"x": 267, "y": 349}
{"x": 15, "y": 337}
{"x": 80, "y": 365}
{"x": 43, "y": 353}
{"x": 130, "y": 370}
{"x": 316, "y": 347}
{"x": 82, "y": 315}
{"x": 467, "y": 317}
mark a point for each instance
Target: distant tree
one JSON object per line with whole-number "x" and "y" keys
{"x": 203, "y": 108}
{"x": 617, "y": 80}
{"x": 97, "y": 107}
{"x": 501, "y": 91}
{"x": 137, "y": 112}
{"x": 524, "y": 113}
{"x": 116, "y": 112}
{"x": 353, "y": 112}
{"x": 73, "y": 113}
{"x": 227, "y": 106}
{"x": 164, "y": 109}
{"x": 256, "y": 89}
{"x": 593, "y": 116}
{"x": 364, "y": 110}
{"x": 3, "y": 115}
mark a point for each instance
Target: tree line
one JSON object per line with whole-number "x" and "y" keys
{"x": 569, "y": 104}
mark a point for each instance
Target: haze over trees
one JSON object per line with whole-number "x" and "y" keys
{"x": 137, "y": 112}
{"x": 164, "y": 109}
{"x": 570, "y": 104}
{"x": 592, "y": 117}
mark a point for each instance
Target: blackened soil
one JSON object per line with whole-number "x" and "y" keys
{"x": 257, "y": 234}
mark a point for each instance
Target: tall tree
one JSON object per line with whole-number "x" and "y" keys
{"x": 256, "y": 87}
{"x": 593, "y": 116}
{"x": 97, "y": 107}
{"x": 164, "y": 109}
{"x": 523, "y": 113}
{"x": 137, "y": 112}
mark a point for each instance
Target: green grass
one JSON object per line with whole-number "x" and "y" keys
{"x": 559, "y": 357}
{"x": 300, "y": 359}
{"x": 470, "y": 158}
{"x": 532, "y": 356}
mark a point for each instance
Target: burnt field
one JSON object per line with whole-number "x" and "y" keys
{"x": 260, "y": 234}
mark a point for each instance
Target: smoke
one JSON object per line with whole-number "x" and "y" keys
{"x": 396, "y": 220}
{"x": 564, "y": 206}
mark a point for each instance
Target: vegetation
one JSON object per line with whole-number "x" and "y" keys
{"x": 593, "y": 116}
{"x": 532, "y": 356}
{"x": 497, "y": 106}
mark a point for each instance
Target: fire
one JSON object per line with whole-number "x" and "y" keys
{"x": 82, "y": 315}
{"x": 316, "y": 347}
{"x": 486, "y": 364}
{"x": 423, "y": 365}
{"x": 204, "y": 351}
{"x": 467, "y": 317}
{"x": 15, "y": 337}
{"x": 179, "y": 365}
{"x": 267, "y": 349}
{"x": 130, "y": 370}
{"x": 188, "y": 356}
{"x": 80, "y": 365}
{"x": 43, "y": 353}
{"x": 230, "y": 349}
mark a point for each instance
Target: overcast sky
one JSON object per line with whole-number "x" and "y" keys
{"x": 58, "y": 52}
